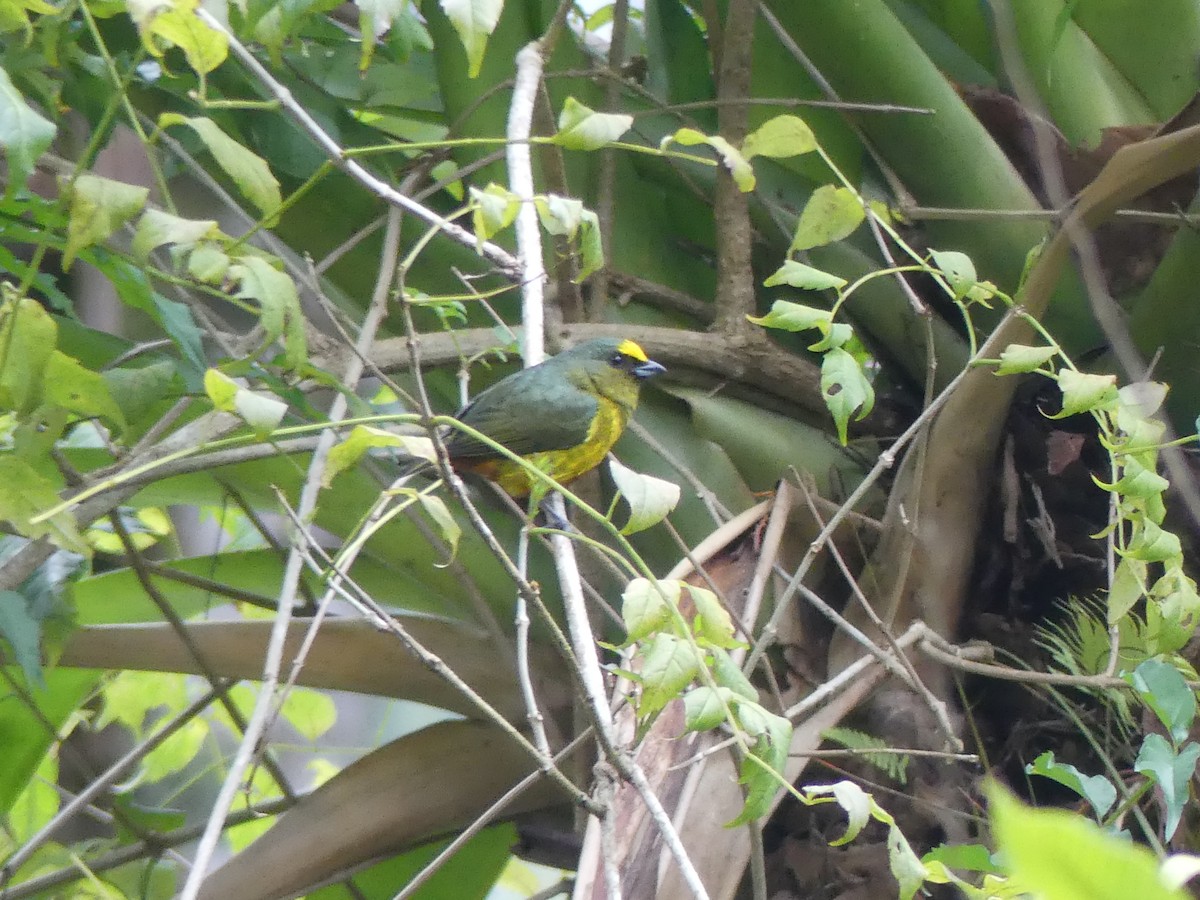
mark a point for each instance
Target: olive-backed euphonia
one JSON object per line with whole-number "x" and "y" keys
{"x": 562, "y": 416}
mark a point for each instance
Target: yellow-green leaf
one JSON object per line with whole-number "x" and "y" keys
{"x": 156, "y": 228}
{"x": 650, "y": 499}
{"x": 493, "y": 209}
{"x": 98, "y": 207}
{"x": 247, "y": 169}
{"x": 831, "y": 214}
{"x": 798, "y": 275}
{"x": 76, "y": 388}
{"x": 581, "y": 128}
{"x": 24, "y": 493}
{"x": 780, "y": 137}
{"x": 474, "y": 20}
{"x": 24, "y": 135}
{"x": 736, "y": 164}
{"x": 363, "y": 438}
{"x": 175, "y": 23}
{"x": 278, "y": 302}
{"x": 845, "y": 388}
{"x": 27, "y": 338}
{"x": 646, "y": 606}
{"x": 1085, "y": 392}
{"x": 1059, "y": 855}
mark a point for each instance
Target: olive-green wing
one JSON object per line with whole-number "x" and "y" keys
{"x": 526, "y": 415}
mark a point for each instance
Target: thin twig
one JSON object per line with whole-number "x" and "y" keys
{"x": 528, "y": 77}
{"x": 106, "y": 779}
{"x": 265, "y": 706}
{"x": 360, "y": 599}
{"x": 936, "y": 706}
{"x": 144, "y": 849}
{"x": 885, "y": 461}
{"x": 355, "y": 170}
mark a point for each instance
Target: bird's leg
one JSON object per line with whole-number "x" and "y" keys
{"x": 543, "y": 513}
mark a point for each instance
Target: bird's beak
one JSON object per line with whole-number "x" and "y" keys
{"x": 648, "y": 369}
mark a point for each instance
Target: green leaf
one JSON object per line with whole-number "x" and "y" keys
{"x": 1176, "y": 598}
{"x": 760, "y": 771}
{"x": 580, "y": 128}
{"x": 894, "y": 765}
{"x": 279, "y": 303}
{"x": 559, "y": 215}
{"x": 37, "y": 804}
{"x": 23, "y": 632}
{"x": 906, "y": 867}
{"x": 650, "y": 499}
{"x": 1163, "y": 688}
{"x": 703, "y": 708}
{"x": 798, "y": 275}
{"x": 247, "y": 169}
{"x": 156, "y": 228}
{"x": 1017, "y": 358}
{"x": 958, "y": 270}
{"x": 713, "y": 626}
{"x": 261, "y": 412}
{"x": 177, "y": 321}
{"x": 131, "y": 696}
{"x": 1085, "y": 392}
{"x": 1095, "y": 789}
{"x": 644, "y": 606}
{"x": 134, "y": 815}
{"x": 837, "y": 334}
{"x": 474, "y": 20}
{"x": 14, "y": 15}
{"x": 24, "y": 493}
{"x": 1128, "y": 587}
{"x": 780, "y": 137}
{"x": 493, "y": 209}
{"x": 28, "y": 336}
{"x": 972, "y": 857}
{"x": 77, "y": 389}
{"x": 135, "y": 391}
{"x": 375, "y": 19}
{"x": 362, "y": 438}
{"x": 177, "y": 752}
{"x": 669, "y": 663}
{"x": 736, "y": 164}
{"x": 98, "y": 207}
{"x": 221, "y": 389}
{"x": 176, "y": 23}
{"x": 1140, "y": 400}
{"x": 1153, "y": 544}
{"x": 208, "y": 263}
{"x": 831, "y": 214}
{"x": 789, "y": 316}
{"x": 439, "y": 513}
{"x": 24, "y": 134}
{"x": 727, "y": 673}
{"x": 1139, "y": 482}
{"x": 857, "y": 804}
{"x": 846, "y": 389}
{"x": 591, "y": 249}
{"x": 1062, "y": 856}
{"x": 312, "y": 713}
{"x": 1172, "y": 773}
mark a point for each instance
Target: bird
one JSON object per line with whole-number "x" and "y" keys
{"x": 562, "y": 416}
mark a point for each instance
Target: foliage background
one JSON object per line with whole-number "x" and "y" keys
{"x": 245, "y": 218}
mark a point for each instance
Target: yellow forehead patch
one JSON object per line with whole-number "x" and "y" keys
{"x": 632, "y": 350}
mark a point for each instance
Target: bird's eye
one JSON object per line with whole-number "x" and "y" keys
{"x": 616, "y": 360}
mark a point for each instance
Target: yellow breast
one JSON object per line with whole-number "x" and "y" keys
{"x": 566, "y": 465}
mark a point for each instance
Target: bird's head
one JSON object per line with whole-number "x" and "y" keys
{"x": 611, "y": 367}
